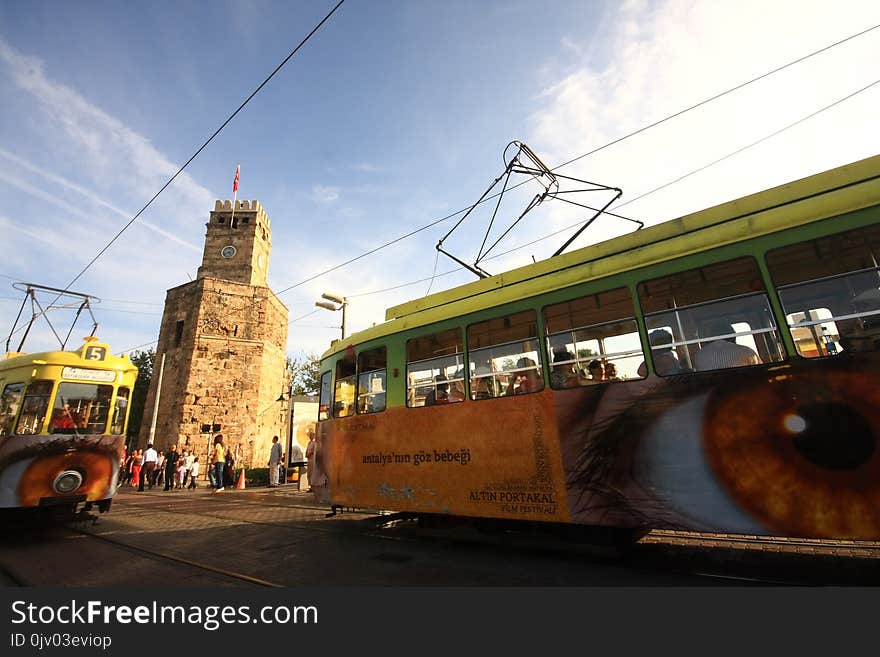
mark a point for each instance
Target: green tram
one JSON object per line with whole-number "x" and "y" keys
{"x": 717, "y": 372}
{"x": 63, "y": 416}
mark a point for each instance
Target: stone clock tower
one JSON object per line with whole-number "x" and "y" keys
{"x": 224, "y": 338}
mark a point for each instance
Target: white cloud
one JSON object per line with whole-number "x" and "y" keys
{"x": 366, "y": 167}
{"x": 670, "y": 55}
{"x": 106, "y": 151}
{"x": 71, "y": 199}
{"x": 38, "y": 192}
{"x": 323, "y": 194}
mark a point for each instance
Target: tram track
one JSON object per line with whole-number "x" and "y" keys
{"x": 714, "y": 557}
{"x": 9, "y": 578}
{"x": 533, "y": 545}
{"x": 155, "y": 554}
{"x": 794, "y": 545}
{"x": 285, "y": 524}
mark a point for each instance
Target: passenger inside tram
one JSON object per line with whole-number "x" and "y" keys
{"x": 723, "y": 352}
{"x": 525, "y": 380}
{"x": 665, "y": 359}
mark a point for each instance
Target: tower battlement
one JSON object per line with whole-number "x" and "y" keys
{"x": 242, "y": 206}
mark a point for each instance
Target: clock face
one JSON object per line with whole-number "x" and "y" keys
{"x": 259, "y": 261}
{"x": 227, "y": 251}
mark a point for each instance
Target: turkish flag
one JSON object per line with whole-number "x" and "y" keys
{"x": 235, "y": 182}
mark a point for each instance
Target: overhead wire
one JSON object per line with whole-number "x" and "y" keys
{"x": 643, "y": 195}
{"x": 633, "y": 200}
{"x": 717, "y": 96}
{"x": 454, "y": 214}
{"x": 451, "y": 215}
{"x": 204, "y": 145}
{"x": 198, "y": 151}
{"x": 580, "y": 157}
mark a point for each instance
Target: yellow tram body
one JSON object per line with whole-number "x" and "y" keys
{"x": 63, "y": 418}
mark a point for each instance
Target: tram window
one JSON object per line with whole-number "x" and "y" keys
{"x": 371, "y": 381}
{"x": 324, "y": 399}
{"x": 830, "y": 290}
{"x": 34, "y": 407}
{"x": 9, "y": 405}
{"x": 597, "y": 330}
{"x": 710, "y": 318}
{"x": 81, "y": 407}
{"x": 505, "y": 356}
{"x": 435, "y": 369}
{"x": 120, "y": 412}
{"x": 346, "y": 379}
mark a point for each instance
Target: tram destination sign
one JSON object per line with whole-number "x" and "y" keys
{"x": 83, "y": 374}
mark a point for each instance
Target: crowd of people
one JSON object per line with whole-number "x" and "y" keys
{"x": 178, "y": 470}
{"x": 146, "y": 468}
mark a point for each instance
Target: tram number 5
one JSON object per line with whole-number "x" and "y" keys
{"x": 95, "y": 353}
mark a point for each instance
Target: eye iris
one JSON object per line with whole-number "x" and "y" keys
{"x": 798, "y": 452}
{"x": 54, "y": 474}
{"x": 835, "y": 436}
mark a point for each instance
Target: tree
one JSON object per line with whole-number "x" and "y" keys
{"x": 304, "y": 374}
{"x": 144, "y": 361}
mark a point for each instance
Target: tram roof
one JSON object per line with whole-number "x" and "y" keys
{"x": 74, "y": 358}
{"x": 843, "y": 189}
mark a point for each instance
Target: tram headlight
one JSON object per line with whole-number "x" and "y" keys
{"x": 67, "y": 482}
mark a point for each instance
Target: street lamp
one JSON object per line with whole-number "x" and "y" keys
{"x": 336, "y": 299}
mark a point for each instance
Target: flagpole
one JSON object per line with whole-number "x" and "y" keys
{"x": 235, "y": 193}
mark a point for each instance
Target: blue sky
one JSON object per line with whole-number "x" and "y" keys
{"x": 393, "y": 115}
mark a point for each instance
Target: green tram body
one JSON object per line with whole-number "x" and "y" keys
{"x": 63, "y": 418}
{"x": 689, "y": 437}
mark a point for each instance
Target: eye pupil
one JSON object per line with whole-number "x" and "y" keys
{"x": 833, "y": 436}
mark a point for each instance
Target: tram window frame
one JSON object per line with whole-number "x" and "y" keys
{"x": 117, "y": 428}
{"x": 82, "y": 422}
{"x": 373, "y": 399}
{"x": 345, "y": 387}
{"x": 35, "y": 404}
{"x": 440, "y": 354}
{"x": 9, "y": 408}
{"x": 838, "y": 273}
{"x": 325, "y": 397}
{"x": 823, "y": 334}
{"x": 727, "y": 292}
{"x": 570, "y": 324}
{"x": 489, "y": 345}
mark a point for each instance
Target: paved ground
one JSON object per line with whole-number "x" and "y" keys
{"x": 281, "y": 536}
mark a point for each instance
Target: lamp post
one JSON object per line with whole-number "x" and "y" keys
{"x": 335, "y": 299}
{"x": 286, "y": 418}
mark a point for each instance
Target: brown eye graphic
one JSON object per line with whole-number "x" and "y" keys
{"x": 86, "y": 473}
{"x": 799, "y": 452}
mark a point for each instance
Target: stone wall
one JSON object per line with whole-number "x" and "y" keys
{"x": 224, "y": 337}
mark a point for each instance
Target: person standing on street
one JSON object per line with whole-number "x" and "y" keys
{"x": 310, "y": 456}
{"x": 296, "y": 462}
{"x": 274, "y": 461}
{"x": 188, "y": 460}
{"x": 218, "y": 460}
{"x": 147, "y": 473}
{"x": 171, "y": 458}
{"x": 193, "y": 473}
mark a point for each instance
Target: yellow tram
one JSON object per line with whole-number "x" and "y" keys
{"x": 63, "y": 417}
